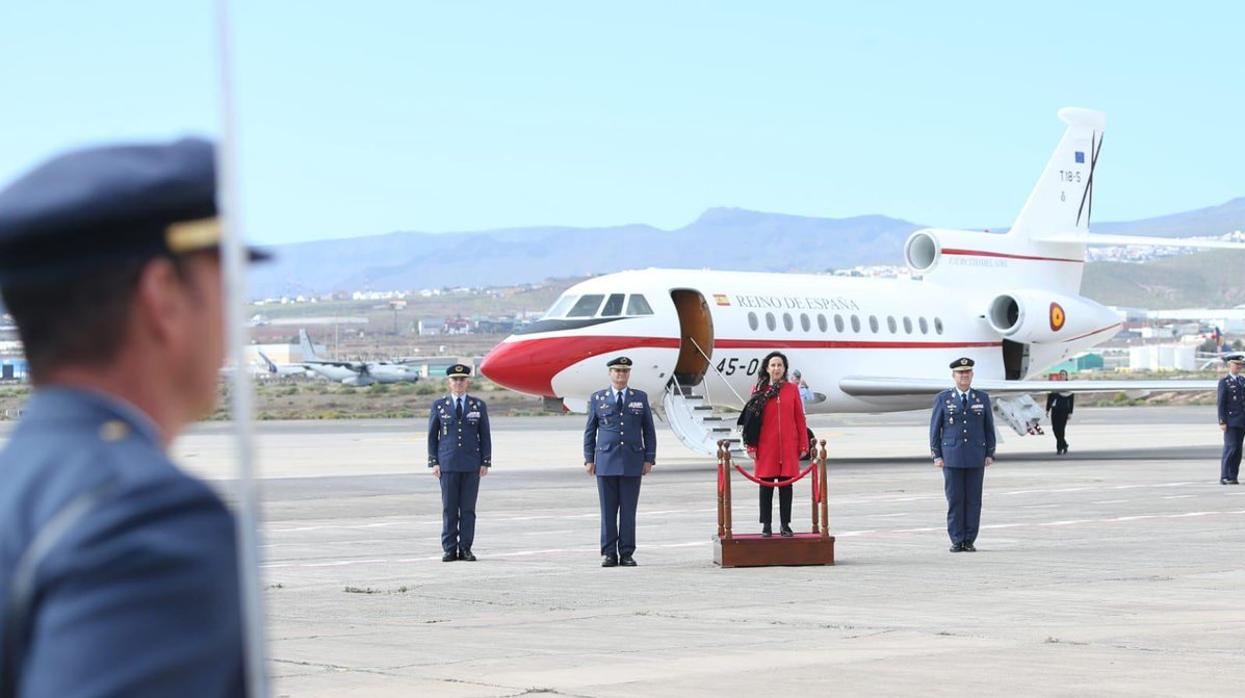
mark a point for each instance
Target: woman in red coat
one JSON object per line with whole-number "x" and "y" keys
{"x": 784, "y": 438}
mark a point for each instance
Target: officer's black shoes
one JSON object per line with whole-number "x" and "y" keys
{"x": 627, "y": 561}
{"x": 766, "y": 532}
{"x": 1224, "y": 481}
{"x": 466, "y": 555}
{"x": 609, "y": 561}
{"x": 957, "y": 548}
{"x": 450, "y": 556}
{"x": 786, "y": 531}
{"x": 968, "y": 548}
{"x": 1233, "y": 482}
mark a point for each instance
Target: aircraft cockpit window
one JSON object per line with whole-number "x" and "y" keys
{"x": 753, "y": 323}
{"x": 907, "y": 325}
{"x": 587, "y": 306}
{"x": 923, "y": 324}
{"x": 613, "y": 305}
{"x": 938, "y": 325}
{"x": 559, "y": 308}
{"x": 638, "y": 305}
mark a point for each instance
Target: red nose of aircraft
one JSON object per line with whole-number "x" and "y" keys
{"x": 526, "y": 366}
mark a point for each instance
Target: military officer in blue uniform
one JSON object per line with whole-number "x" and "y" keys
{"x": 118, "y": 571}
{"x": 460, "y": 452}
{"x": 1232, "y": 419}
{"x": 961, "y": 440}
{"x": 620, "y": 447}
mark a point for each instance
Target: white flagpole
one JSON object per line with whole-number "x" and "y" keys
{"x": 234, "y": 259}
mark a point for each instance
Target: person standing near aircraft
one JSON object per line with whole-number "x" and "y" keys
{"x": 806, "y": 393}
{"x": 961, "y": 440}
{"x": 620, "y": 447}
{"x": 1231, "y": 419}
{"x": 460, "y": 452}
{"x": 783, "y": 440}
{"x": 1059, "y": 409}
{"x": 118, "y": 571}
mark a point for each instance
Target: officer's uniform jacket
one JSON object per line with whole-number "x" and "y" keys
{"x": 459, "y": 445}
{"x": 962, "y": 439}
{"x": 133, "y": 581}
{"x": 620, "y": 444}
{"x": 1232, "y": 400}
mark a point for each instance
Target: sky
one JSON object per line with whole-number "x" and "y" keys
{"x": 372, "y": 117}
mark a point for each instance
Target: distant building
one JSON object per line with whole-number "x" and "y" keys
{"x": 1163, "y": 357}
{"x": 1085, "y": 362}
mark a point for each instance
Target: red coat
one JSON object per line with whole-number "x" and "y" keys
{"x": 784, "y": 434}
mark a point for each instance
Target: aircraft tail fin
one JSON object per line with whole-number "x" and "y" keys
{"x": 1063, "y": 198}
{"x": 304, "y": 344}
{"x": 272, "y": 367}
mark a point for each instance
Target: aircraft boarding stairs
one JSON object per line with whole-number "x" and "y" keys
{"x": 697, "y": 423}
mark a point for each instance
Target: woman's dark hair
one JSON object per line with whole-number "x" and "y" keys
{"x": 763, "y": 374}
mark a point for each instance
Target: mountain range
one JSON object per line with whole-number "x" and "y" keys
{"x": 721, "y": 238}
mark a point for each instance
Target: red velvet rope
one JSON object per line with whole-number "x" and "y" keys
{"x": 780, "y": 483}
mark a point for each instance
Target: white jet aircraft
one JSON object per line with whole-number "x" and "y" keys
{"x": 355, "y": 373}
{"x": 1010, "y": 301}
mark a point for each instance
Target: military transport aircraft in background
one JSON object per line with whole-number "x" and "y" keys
{"x": 1010, "y": 301}
{"x": 356, "y": 373}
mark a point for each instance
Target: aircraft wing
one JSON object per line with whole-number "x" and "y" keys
{"x": 1142, "y": 240}
{"x": 352, "y": 365}
{"x": 881, "y": 386}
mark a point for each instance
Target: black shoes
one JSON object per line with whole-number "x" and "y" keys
{"x": 968, "y": 547}
{"x": 609, "y": 561}
{"x": 450, "y": 556}
{"x": 627, "y": 561}
{"x": 466, "y": 555}
{"x": 1224, "y": 481}
{"x": 1233, "y": 482}
{"x": 766, "y": 532}
{"x": 786, "y": 531}
{"x": 957, "y": 548}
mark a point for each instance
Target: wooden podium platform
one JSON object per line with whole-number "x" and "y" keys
{"x": 750, "y": 549}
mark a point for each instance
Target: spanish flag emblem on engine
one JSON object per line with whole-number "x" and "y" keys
{"x": 1057, "y": 317}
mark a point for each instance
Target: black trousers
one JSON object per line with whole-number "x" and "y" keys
{"x": 1059, "y": 422}
{"x": 767, "y": 502}
{"x": 1230, "y": 464}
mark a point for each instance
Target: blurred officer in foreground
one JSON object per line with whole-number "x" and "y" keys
{"x": 460, "y": 452}
{"x": 1232, "y": 419}
{"x": 961, "y": 439}
{"x": 620, "y": 447}
{"x": 118, "y": 571}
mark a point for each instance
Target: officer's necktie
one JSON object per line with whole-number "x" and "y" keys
{"x": 458, "y": 408}
{"x": 618, "y": 404}
{"x": 964, "y": 402}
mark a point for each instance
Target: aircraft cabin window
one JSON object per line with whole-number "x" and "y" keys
{"x": 924, "y": 325}
{"x": 821, "y": 322}
{"x": 787, "y": 322}
{"x": 804, "y": 323}
{"x": 770, "y": 322}
{"x": 587, "y": 306}
{"x": 613, "y": 305}
{"x": 873, "y": 324}
{"x": 938, "y": 325}
{"x": 838, "y": 323}
{"x": 890, "y": 324}
{"x": 559, "y": 308}
{"x": 638, "y": 305}
{"x": 855, "y": 324}
{"x": 907, "y": 325}
{"x": 752, "y": 320}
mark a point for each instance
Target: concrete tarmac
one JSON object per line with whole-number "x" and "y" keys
{"x": 1116, "y": 570}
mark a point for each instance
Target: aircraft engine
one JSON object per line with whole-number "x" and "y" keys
{"x": 1037, "y": 317}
